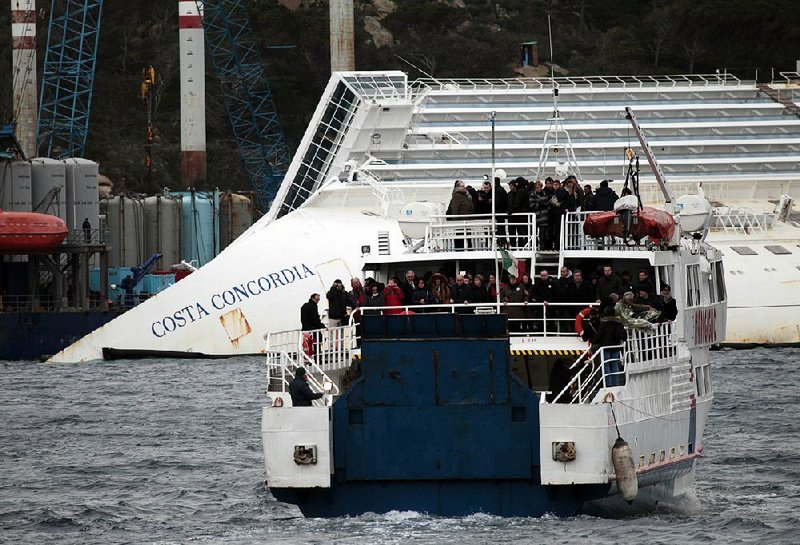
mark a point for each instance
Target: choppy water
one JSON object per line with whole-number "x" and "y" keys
{"x": 170, "y": 452}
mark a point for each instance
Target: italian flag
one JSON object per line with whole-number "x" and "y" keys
{"x": 510, "y": 263}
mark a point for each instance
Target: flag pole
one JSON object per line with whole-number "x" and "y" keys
{"x": 493, "y": 116}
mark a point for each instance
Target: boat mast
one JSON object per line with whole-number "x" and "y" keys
{"x": 669, "y": 198}
{"x": 492, "y": 117}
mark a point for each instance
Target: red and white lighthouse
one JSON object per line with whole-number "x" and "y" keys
{"x": 23, "y": 68}
{"x": 193, "y": 93}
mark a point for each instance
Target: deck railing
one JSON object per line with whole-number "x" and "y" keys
{"x": 594, "y": 372}
{"x": 602, "y": 82}
{"x": 474, "y": 233}
{"x": 575, "y": 239}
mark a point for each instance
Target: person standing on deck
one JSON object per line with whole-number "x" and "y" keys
{"x": 393, "y": 297}
{"x": 309, "y": 314}
{"x": 611, "y": 332}
{"x": 337, "y": 304}
{"x": 460, "y": 205}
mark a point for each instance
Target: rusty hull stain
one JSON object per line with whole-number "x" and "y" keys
{"x": 236, "y": 325}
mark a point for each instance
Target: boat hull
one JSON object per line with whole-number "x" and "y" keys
{"x": 507, "y": 498}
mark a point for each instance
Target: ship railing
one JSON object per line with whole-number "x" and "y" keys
{"x": 593, "y": 371}
{"x": 575, "y": 239}
{"x": 658, "y": 344}
{"x": 319, "y": 351}
{"x": 611, "y": 365}
{"x": 525, "y": 320}
{"x": 87, "y": 237}
{"x": 471, "y": 233}
{"x": 741, "y": 220}
{"x": 604, "y": 82}
{"x": 792, "y": 78}
{"x": 46, "y": 303}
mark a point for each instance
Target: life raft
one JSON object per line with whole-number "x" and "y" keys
{"x": 648, "y": 222}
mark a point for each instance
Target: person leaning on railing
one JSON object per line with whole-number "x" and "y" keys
{"x": 610, "y": 332}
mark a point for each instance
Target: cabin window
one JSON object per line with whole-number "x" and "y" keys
{"x": 707, "y": 378}
{"x": 719, "y": 273}
{"x": 778, "y": 250}
{"x": 712, "y": 292}
{"x": 743, "y": 250}
{"x": 699, "y": 384}
{"x": 692, "y": 285}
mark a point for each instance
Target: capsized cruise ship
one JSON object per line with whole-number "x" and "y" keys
{"x": 378, "y": 142}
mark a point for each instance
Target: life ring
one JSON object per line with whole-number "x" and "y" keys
{"x": 579, "y": 320}
{"x": 609, "y": 397}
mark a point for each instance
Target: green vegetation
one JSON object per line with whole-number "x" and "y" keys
{"x": 443, "y": 38}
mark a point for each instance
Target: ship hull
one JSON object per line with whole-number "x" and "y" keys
{"x": 507, "y": 498}
{"x": 37, "y": 335}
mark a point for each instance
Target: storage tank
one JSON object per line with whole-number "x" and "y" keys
{"x": 82, "y": 197}
{"x": 235, "y": 216}
{"x": 125, "y": 224}
{"x": 15, "y": 186}
{"x": 200, "y": 225}
{"x": 49, "y": 187}
{"x": 162, "y": 216}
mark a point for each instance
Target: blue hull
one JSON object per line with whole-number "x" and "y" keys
{"x": 438, "y": 423}
{"x": 38, "y": 335}
{"x": 507, "y": 498}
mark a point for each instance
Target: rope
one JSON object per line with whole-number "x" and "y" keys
{"x": 642, "y": 412}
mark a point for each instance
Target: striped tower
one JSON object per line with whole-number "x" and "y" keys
{"x": 23, "y": 33}
{"x": 341, "y": 27}
{"x": 193, "y": 93}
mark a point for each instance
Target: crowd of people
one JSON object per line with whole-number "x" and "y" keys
{"x": 635, "y": 304}
{"x": 549, "y": 200}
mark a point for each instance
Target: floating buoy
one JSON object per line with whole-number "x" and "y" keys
{"x": 622, "y": 458}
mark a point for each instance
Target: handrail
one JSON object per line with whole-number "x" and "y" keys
{"x": 539, "y": 319}
{"x": 466, "y": 233}
{"x": 603, "y": 82}
{"x": 584, "y": 387}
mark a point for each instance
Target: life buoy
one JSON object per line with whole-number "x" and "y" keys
{"x": 609, "y": 397}
{"x": 579, "y": 320}
{"x": 308, "y": 344}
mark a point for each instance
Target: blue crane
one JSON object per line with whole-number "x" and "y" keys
{"x": 247, "y": 95}
{"x": 68, "y": 77}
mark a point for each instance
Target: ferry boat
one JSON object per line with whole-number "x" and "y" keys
{"x": 498, "y": 407}
{"x": 378, "y": 142}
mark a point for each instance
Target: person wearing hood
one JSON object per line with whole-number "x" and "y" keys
{"x": 301, "y": 393}
{"x": 611, "y": 332}
{"x": 460, "y": 205}
{"x": 605, "y": 197}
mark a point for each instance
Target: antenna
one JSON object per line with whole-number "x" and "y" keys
{"x": 569, "y": 163}
{"x": 412, "y": 65}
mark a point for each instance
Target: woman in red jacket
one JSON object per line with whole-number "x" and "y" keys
{"x": 393, "y": 297}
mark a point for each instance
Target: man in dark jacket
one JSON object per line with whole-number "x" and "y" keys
{"x": 608, "y": 283}
{"x": 460, "y": 205}
{"x": 604, "y": 197}
{"x": 301, "y": 393}
{"x": 670, "y": 311}
{"x": 610, "y": 333}
{"x": 337, "y": 304}
{"x": 483, "y": 199}
{"x": 517, "y": 212}
{"x": 538, "y": 203}
{"x": 580, "y": 290}
{"x": 309, "y": 314}
{"x": 460, "y": 293}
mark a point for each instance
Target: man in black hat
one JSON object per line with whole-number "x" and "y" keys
{"x": 301, "y": 393}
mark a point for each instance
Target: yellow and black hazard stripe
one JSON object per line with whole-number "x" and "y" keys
{"x": 546, "y": 352}
{"x": 527, "y": 353}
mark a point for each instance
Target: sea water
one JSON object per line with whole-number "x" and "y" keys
{"x": 169, "y": 451}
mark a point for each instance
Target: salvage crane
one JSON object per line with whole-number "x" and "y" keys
{"x": 247, "y": 95}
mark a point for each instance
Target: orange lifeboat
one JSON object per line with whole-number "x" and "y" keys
{"x": 648, "y": 222}
{"x": 30, "y": 232}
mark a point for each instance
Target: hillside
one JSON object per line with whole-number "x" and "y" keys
{"x": 443, "y": 38}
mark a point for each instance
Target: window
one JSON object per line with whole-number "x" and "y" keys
{"x": 743, "y": 250}
{"x": 692, "y": 285}
{"x": 719, "y": 273}
{"x": 778, "y": 250}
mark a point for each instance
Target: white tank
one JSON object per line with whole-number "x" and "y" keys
{"x": 15, "y": 186}
{"x": 125, "y": 223}
{"x": 162, "y": 216}
{"x": 235, "y": 217}
{"x": 694, "y": 212}
{"x": 82, "y": 196}
{"x": 49, "y": 187}
{"x": 416, "y": 216}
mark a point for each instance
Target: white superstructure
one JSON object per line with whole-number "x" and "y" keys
{"x": 409, "y": 141}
